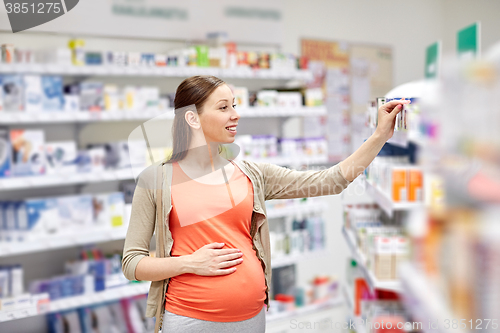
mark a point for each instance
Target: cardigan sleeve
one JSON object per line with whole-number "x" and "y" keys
{"x": 284, "y": 183}
{"x": 142, "y": 224}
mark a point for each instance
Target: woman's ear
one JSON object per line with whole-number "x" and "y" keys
{"x": 192, "y": 119}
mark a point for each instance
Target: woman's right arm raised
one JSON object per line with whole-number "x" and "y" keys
{"x": 209, "y": 260}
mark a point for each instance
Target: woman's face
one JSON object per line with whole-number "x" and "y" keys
{"x": 219, "y": 118}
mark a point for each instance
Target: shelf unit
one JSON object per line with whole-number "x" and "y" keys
{"x": 99, "y": 235}
{"x": 360, "y": 258}
{"x": 21, "y": 118}
{"x": 386, "y": 203}
{"x": 94, "y": 236}
{"x": 108, "y": 295}
{"x": 423, "y": 300}
{"x": 28, "y": 182}
{"x": 152, "y": 71}
{"x": 293, "y": 259}
{"x": 308, "y": 309}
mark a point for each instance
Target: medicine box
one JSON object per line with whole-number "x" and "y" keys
{"x": 75, "y": 211}
{"x": 43, "y": 216}
{"x": 61, "y": 157}
{"x": 52, "y": 93}
{"x": 33, "y": 93}
{"x": 399, "y": 181}
{"x": 5, "y": 153}
{"x": 13, "y": 92}
{"x": 28, "y": 152}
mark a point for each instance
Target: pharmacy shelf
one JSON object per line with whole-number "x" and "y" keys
{"x": 305, "y": 310}
{"x": 423, "y": 301}
{"x": 113, "y": 294}
{"x": 386, "y": 203}
{"x": 294, "y": 259}
{"x": 291, "y": 160}
{"x": 370, "y": 278}
{"x": 19, "y": 183}
{"x": 19, "y": 118}
{"x": 301, "y": 208}
{"x": 100, "y": 235}
{"x": 28, "y": 182}
{"x": 62, "y": 240}
{"x": 348, "y": 297}
{"x": 104, "y": 70}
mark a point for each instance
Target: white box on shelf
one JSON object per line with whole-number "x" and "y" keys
{"x": 61, "y": 157}
{"x": 33, "y": 99}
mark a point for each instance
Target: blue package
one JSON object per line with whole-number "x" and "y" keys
{"x": 9, "y": 222}
{"x": 55, "y": 323}
{"x": 21, "y": 221}
{"x": 52, "y": 93}
{"x": 13, "y": 92}
{"x": 42, "y": 215}
{"x": 85, "y": 320}
{"x": 33, "y": 93}
{"x": 75, "y": 211}
{"x": 55, "y": 289}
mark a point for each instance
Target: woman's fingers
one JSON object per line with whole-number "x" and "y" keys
{"x": 230, "y": 263}
{"x": 227, "y": 251}
{"x": 230, "y": 256}
{"x": 225, "y": 271}
{"x": 389, "y": 106}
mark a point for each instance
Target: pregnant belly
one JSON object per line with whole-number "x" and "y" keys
{"x": 233, "y": 297}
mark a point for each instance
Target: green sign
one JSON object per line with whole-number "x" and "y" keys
{"x": 469, "y": 41}
{"x": 432, "y": 59}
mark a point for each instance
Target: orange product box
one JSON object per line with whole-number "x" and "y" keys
{"x": 415, "y": 184}
{"x": 399, "y": 184}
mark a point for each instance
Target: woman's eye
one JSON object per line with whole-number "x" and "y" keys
{"x": 224, "y": 107}
{"x": 234, "y": 106}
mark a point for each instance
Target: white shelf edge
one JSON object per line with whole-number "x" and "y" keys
{"x": 307, "y": 309}
{"x": 64, "y": 240}
{"x": 16, "y": 183}
{"x": 384, "y": 202}
{"x": 44, "y": 117}
{"x": 306, "y": 208}
{"x": 154, "y": 71}
{"x": 423, "y": 300}
{"x": 28, "y": 182}
{"x": 373, "y": 282}
{"x": 97, "y": 235}
{"x": 293, "y": 259}
{"x": 112, "y": 294}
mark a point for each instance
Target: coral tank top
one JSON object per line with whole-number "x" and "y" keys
{"x": 203, "y": 214}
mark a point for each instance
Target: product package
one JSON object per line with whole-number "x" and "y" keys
{"x": 43, "y": 217}
{"x": 399, "y": 187}
{"x": 13, "y": 92}
{"x": 61, "y": 157}
{"x": 53, "y": 97}
{"x": 1, "y": 94}
{"x": 241, "y": 97}
{"x": 116, "y": 209}
{"x": 33, "y": 93}
{"x": 75, "y": 211}
{"x": 5, "y": 151}
{"x": 290, "y": 99}
{"x": 314, "y": 97}
{"x": 91, "y": 96}
{"x": 28, "y": 152}
{"x": 267, "y": 98}
{"x": 111, "y": 98}
{"x": 382, "y": 257}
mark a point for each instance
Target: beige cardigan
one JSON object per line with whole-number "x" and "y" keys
{"x": 269, "y": 182}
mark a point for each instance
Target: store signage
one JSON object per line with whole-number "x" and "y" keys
{"x": 469, "y": 42}
{"x": 432, "y": 60}
{"x": 257, "y": 22}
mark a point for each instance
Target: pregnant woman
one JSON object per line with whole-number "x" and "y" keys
{"x": 212, "y": 268}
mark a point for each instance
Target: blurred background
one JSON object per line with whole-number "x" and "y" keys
{"x": 411, "y": 245}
